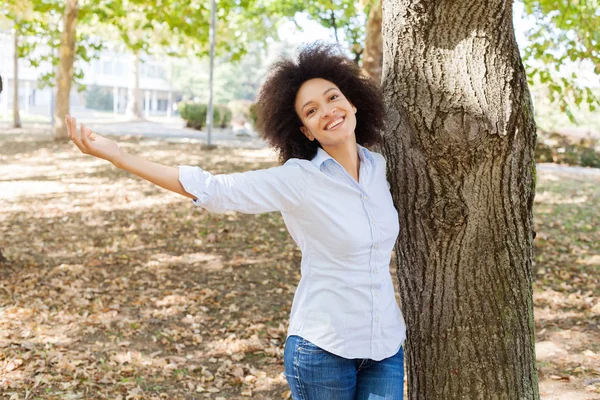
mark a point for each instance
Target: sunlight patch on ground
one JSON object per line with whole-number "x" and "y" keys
{"x": 561, "y": 300}
{"x": 266, "y": 154}
{"x": 554, "y": 198}
{"x": 591, "y": 260}
{"x": 55, "y": 169}
{"x": 161, "y": 262}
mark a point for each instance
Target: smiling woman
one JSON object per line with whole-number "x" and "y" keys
{"x": 330, "y": 82}
{"x": 346, "y": 330}
{"x": 326, "y": 110}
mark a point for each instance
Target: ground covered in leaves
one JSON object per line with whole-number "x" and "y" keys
{"x": 112, "y": 288}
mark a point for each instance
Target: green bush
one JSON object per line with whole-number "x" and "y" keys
{"x": 543, "y": 153}
{"x": 195, "y": 114}
{"x": 590, "y": 158}
{"x": 253, "y": 113}
{"x": 562, "y": 150}
{"x": 181, "y": 109}
{"x": 225, "y": 115}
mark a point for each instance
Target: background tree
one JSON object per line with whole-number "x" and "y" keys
{"x": 64, "y": 74}
{"x": 565, "y": 32}
{"x": 14, "y": 13}
{"x": 345, "y": 17}
{"x": 563, "y": 41}
{"x": 50, "y": 25}
{"x": 16, "y": 114}
{"x": 460, "y": 147}
{"x": 373, "y": 52}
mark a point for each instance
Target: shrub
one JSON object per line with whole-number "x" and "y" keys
{"x": 195, "y": 114}
{"x": 225, "y": 115}
{"x": 253, "y": 113}
{"x": 560, "y": 149}
{"x": 590, "y": 158}
{"x": 181, "y": 110}
{"x": 543, "y": 153}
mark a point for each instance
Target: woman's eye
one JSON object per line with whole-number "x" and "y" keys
{"x": 335, "y": 96}
{"x": 310, "y": 112}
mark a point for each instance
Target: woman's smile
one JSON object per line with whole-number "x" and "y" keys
{"x": 335, "y": 124}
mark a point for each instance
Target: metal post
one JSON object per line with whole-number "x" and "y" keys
{"x": 209, "y": 119}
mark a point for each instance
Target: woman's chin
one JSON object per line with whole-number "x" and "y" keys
{"x": 338, "y": 140}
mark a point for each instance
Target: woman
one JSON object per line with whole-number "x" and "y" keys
{"x": 346, "y": 330}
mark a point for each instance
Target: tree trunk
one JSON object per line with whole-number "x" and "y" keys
{"x": 134, "y": 94}
{"x": 373, "y": 53}
{"x": 460, "y": 146}
{"x": 64, "y": 76}
{"x": 16, "y": 114}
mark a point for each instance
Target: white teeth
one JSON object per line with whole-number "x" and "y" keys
{"x": 335, "y": 123}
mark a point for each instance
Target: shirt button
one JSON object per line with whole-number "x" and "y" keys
{"x": 373, "y": 221}
{"x": 376, "y": 319}
{"x": 376, "y": 246}
{"x": 375, "y": 272}
{"x": 376, "y": 293}
{"x": 365, "y": 198}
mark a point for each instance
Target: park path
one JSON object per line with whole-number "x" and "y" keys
{"x": 169, "y": 129}
{"x": 174, "y": 130}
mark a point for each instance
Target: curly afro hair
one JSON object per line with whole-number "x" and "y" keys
{"x": 276, "y": 117}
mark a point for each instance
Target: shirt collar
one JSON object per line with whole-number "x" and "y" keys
{"x": 322, "y": 156}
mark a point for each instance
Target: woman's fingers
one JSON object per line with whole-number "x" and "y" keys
{"x": 68, "y": 123}
{"x": 83, "y": 139}
{"x": 72, "y": 127}
{"x": 90, "y": 135}
{"x": 84, "y": 136}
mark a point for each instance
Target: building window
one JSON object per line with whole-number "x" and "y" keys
{"x": 97, "y": 66}
{"x": 107, "y": 68}
{"x": 161, "y": 105}
{"x": 119, "y": 69}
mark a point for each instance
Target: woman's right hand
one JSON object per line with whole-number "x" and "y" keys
{"x": 93, "y": 144}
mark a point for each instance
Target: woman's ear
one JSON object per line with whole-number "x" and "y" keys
{"x": 307, "y": 133}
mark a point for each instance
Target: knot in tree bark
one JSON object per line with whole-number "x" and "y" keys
{"x": 450, "y": 212}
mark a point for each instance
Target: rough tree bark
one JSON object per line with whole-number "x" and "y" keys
{"x": 373, "y": 53}
{"x": 16, "y": 113}
{"x": 134, "y": 94}
{"x": 460, "y": 146}
{"x": 64, "y": 75}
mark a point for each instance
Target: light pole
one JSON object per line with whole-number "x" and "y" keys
{"x": 209, "y": 121}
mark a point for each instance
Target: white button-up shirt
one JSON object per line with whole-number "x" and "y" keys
{"x": 346, "y": 230}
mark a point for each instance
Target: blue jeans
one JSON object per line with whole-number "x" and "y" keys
{"x": 316, "y": 374}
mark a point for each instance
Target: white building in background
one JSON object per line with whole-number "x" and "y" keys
{"x": 112, "y": 72}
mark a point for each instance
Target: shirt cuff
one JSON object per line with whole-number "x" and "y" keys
{"x": 194, "y": 181}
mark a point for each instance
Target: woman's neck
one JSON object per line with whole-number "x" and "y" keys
{"x": 347, "y": 155}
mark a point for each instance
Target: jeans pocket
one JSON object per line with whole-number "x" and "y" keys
{"x": 307, "y": 347}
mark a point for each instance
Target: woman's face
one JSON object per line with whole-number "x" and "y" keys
{"x": 325, "y": 112}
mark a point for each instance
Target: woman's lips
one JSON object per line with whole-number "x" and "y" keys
{"x": 332, "y": 126}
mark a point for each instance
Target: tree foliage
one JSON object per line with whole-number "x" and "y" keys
{"x": 176, "y": 27}
{"x": 565, "y": 32}
{"x": 347, "y": 18}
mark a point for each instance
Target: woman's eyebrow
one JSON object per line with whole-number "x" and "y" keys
{"x": 324, "y": 93}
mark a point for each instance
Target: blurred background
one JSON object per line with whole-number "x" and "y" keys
{"x": 140, "y": 61}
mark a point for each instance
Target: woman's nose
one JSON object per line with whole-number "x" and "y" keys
{"x": 329, "y": 111}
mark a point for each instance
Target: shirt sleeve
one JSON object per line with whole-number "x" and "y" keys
{"x": 280, "y": 188}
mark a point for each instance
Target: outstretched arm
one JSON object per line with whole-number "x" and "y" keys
{"x": 93, "y": 144}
